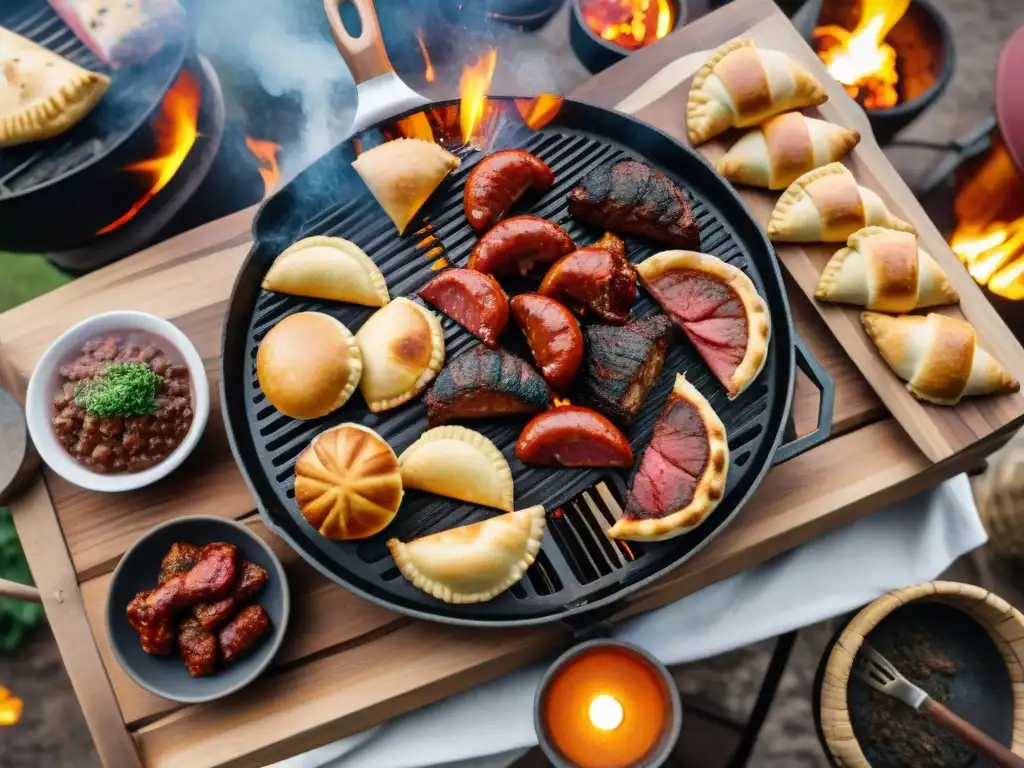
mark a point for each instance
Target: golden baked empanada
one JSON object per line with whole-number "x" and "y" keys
{"x": 884, "y": 269}
{"x": 938, "y": 356}
{"x": 42, "y": 94}
{"x": 403, "y": 173}
{"x": 402, "y": 345}
{"x": 458, "y": 463}
{"x": 827, "y": 206}
{"x": 784, "y": 148}
{"x": 327, "y": 268}
{"x": 743, "y": 85}
{"x": 347, "y": 482}
{"x": 474, "y": 563}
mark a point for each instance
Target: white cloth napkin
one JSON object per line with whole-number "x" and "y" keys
{"x": 490, "y": 726}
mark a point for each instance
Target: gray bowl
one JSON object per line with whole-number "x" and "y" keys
{"x": 166, "y": 676}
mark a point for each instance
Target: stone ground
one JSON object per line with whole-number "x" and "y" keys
{"x": 53, "y": 734}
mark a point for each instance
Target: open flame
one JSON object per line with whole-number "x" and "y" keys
{"x": 861, "y": 60}
{"x": 175, "y": 131}
{"x": 539, "y": 111}
{"x": 428, "y": 67}
{"x": 631, "y": 24}
{"x": 473, "y": 87}
{"x": 266, "y": 152}
{"x": 989, "y": 237}
{"x": 10, "y": 707}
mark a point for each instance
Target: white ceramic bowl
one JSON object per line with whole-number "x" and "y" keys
{"x": 45, "y": 384}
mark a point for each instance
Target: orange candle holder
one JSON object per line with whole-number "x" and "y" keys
{"x": 607, "y": 704}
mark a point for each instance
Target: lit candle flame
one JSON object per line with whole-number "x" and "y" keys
{"x": 606, "y": 712}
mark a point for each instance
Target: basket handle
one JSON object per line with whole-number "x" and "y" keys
{"x": 365, "y": 55}
{"x": 807, "y": 363}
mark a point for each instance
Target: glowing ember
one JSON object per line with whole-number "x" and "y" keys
{"x": 561, "y": 401}
{"x": 416, "y": 126}
{"x": 861, "y": 60}
{"x": 989, "y": 237}
{"x": 10, "y": 707}
{"x": 428, "y": 72}
{"x": 266, "y": 152}
{"x": 631, "y": 24}
{"x": 175, "y": 131}
{"x": 538, "y": 112}
{"x": 473, "y": 87}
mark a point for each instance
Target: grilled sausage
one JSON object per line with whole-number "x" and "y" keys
{"x": 240, "y": 635}
{"x": 472, "y": 299}
{"x": 516, "y": 244}
{"x": 553, "y": 335}
{"x": 598, "y": 280}
{"x": 570, "y": 436}
{"x": 497, "y": 181}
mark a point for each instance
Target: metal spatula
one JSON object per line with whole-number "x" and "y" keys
{"x": 873, "y": 668}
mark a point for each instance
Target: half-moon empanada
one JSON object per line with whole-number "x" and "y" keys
{"x": 402, "y": 345}
{"x": 42, "y": 94}
{"x": 474, "y": 563}
{"x": 743, "y": 85}
{"x": 347, "y": 483}
{"x": 938, "y": 356}
{"x": 884, "y": 269}
{"x": 327, "y": 268}
{"x": 458, "y": 463}
{"x": 403, "y": 173}
{"x": 783, "y": 149}
{"x": 827, "y": 206}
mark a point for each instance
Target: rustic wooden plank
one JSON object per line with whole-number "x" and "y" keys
{"x": 938, "y": 431}
{"x": 323, "y": 617}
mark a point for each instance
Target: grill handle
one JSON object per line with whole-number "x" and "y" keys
{"x": 379, "y": 90}
{"x": 811, "y": 368}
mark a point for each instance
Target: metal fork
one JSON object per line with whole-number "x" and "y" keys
{"x": 875, "y": 670}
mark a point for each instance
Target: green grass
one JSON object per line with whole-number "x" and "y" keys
{"x": 23, "y": 277}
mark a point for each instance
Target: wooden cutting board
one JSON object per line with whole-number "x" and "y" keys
{"x": 345, "y": 664}
{"x": 658, "y": 81}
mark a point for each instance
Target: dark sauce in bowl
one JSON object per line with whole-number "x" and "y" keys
{"x": 119, "y": 443}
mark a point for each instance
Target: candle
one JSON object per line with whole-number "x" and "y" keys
{"x": 606, "y": 704}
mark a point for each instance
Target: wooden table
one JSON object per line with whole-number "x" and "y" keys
{"x": 347, "y": 665}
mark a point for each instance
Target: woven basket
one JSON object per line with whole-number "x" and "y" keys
{"x": 1005, "y": 626}
{"x": 999, "y": 494}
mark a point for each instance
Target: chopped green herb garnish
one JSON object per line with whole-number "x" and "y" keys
{"x": 124, "y": 389}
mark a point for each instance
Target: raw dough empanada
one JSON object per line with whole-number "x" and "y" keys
{"x": 743, "y": 85}
{"x": 402, "y": 345}
{"x": 783, "y": 149}
{"x": 883, "y": 269}
{"x": 827, "y": 206}
{"x": 458, "y": 463}
{"x": 327, "y": 268}
{"x": 403, "y": 173}
{"x": 938, "y": 356}
{"x": 474, "y": 563}
{"x": 42, "y": 94}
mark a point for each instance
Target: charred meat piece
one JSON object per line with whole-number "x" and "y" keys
{"x": 570, "y": 436}
{"x": 484, "y": 383}
{"x": 497, "y": 181}
{"x": 516, "y": 244}
{"x": 211, "y": 578}
{"x": 620, "y": 365}
{"x": 242, "y": 633}
{"x": 156, "y": 634}
{"x": 472, "y": 299}
{"x": 198, "y": 648}
{"x": 180, "y": 557}
{"x": 251, "y": 579}
{"x": 553, "y": 334}
{"x": 596, "y": 280}
{"x": 631, "y": 197}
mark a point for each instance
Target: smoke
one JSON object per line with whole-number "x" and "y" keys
{"x": 285, "y": 46}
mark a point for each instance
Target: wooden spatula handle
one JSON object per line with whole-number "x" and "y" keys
{"x": 365, "y": 54}
{"x": 968, "y": 734}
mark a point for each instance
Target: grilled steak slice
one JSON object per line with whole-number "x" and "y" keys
{"x": 484, "y": 383}
{"x": 620, "y": 365}
{"x": 631, "y": 197}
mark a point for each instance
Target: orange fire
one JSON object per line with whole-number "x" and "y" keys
{"x": 631, "y": 24}
{"x": 561, "y": 401}
{"x": 473, "y": 88}
{"x": 861, "y": 60}
{"x": 266, "y": 152}
{"x": 175, "y": 131}
{"x": 540, "y": 111}
{"x": 989, "y": 238}
{"x": 10, "y": 707}
{"x": 428, "y": 71}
